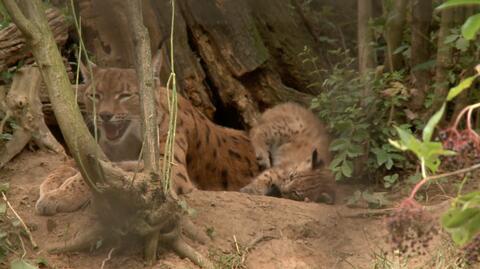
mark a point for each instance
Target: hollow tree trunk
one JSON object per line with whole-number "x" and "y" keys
{"x": 420, "y": 52}
{"x": 232, "y": 57}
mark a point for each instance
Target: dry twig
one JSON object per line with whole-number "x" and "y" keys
{"x": 30, "y": 236}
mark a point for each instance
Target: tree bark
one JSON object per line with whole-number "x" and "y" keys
{"x": 12, "y": 43}
{"x": 420, "y": 50}
{"x": 444, "y": 58}
{"x": 44, "y": 49}
{"x": 229, "y": 64}
{"x": 394, "y": 34}
{"x": 22, "y": 103}
{"x": 117, "y": 198}
{"x": 365, "y": 37}
{"x": 143, "y": 66}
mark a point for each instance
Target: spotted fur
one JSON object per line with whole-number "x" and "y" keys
{"x": 207, "y": 156}
{"x": 291, "y": 143}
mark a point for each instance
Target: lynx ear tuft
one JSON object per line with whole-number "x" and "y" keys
{"x": 316, "y": 162}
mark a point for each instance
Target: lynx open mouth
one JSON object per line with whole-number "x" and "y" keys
{"x": 115, "y": 130}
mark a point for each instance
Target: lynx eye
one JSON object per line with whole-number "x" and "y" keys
{"x": 124, "y": 96}
{"x": 94, "y": 97}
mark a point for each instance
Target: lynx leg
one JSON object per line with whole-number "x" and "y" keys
{"x": 70, "y": 196}
{"x": 259, "y": 139}
{"x": 55, "y": 179}
{"x": 262, "y": 183}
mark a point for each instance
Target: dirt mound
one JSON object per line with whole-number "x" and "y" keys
{"x": 246, "y": 231}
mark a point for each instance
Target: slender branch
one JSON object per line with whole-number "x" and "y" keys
{"x": 426, "y": 179}
{"x": 172, "y": 109}
{"x": 29, "y": 29}
{"x": 30, "y": 236}
{"x": 143, "y": 66}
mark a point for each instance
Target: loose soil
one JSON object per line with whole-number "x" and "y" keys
{"x": 252, "y": 231}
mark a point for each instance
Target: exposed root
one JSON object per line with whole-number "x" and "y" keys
{"x": 185, "y": 250}
{"x": 82, "y": 241}
{"x": 108, "y": 258}
{"x": 193, "y": 232}
{"x": 22, "y": 103}
{"x": 13, "y": 147}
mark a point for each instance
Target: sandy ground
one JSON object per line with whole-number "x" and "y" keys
{"x": 259, "y": 232}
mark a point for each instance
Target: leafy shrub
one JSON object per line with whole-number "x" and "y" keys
{"x": 360, "y": 123}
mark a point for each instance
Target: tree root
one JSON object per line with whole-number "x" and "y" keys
{"x": 22, "y": 103}
{"x": 82, "y": 241}
{"x": 13, "y": 147}
{"x": 193, "y": 232}
{"x": 185, "y": 250}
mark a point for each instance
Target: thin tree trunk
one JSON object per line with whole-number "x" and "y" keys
{"x": 394, "y": 34}
{"x": 444, "y": 56}
{"x": 420, "y": 50}
{"x": 365, "y": 37}
{"x": 143, "y": 66}
{"x": 365, "y": 65}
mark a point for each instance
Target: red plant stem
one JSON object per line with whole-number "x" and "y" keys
{"x": 469, "y": 123}
{"x": 418, "y": 186}
{"x": 460, "y": 115}
{"x": 424, "y": 180}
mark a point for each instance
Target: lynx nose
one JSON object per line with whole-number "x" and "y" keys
{"x": 105, "y": 116}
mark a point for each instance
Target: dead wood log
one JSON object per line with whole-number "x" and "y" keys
{"x": 22, "y": 103}
{"x": 233, "y": 58}
{"x": 12, "y": 43}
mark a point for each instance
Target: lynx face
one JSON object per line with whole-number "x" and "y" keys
{"x": 309, "y": 180}
{"x": 115, "y": 104}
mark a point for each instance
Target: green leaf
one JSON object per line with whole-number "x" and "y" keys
{"x": 425, "y": 65}
{"x": 462, "y": 44}
{"x": 4, "y": 187}
{"x": 473, "y": 225}
{"x": 456, "y": 217}
{"x": 336, "y": 161}
{"x": 21, "y": 264}
{"x": 347, "y": 168}
{"x": 397, "y": 144}
{"x": 381, "y": 155}
{"x": 451, "y": 38}
{"x": 3, "y": 208}
{"x": 408, "y": 140}
{"x": 389, "y": 164}
{"x": 454, "y": 3}
{"x": 401, "y": 49}
{"x": 338, "y": 144}
{"x": 464, "y": 84}
{"x": 432, "y": 122}
{"x": 471, "y": 27}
